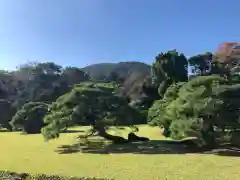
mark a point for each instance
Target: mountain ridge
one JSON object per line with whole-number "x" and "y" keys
{"x": 133, "y": 74}
{"x": 100, "y": 70}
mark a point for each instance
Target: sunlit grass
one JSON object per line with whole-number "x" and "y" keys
{"x": 29, "y": 153}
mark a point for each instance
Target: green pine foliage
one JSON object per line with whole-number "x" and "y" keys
{"x": 29, "y": 118}
{"x": 96, "y": 103}
{"x": 186, "y": 107}
{"x": 157, "y": 113}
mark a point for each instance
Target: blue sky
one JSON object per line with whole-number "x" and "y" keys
{"x": 83, "y": 32}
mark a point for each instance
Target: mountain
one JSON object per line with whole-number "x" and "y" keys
{"x": 133, "y": 75}
{"x": 99, "y": 71}
{"x": 123, "y": 69}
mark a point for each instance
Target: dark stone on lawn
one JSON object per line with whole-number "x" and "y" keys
{"x": 133, "y": 137}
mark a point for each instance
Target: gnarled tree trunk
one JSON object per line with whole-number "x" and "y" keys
{"x": 102, "y": 132}
{"x": 208, "y": 134}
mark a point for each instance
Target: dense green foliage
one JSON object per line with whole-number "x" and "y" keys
{"x": 7, "y": 112}
{"x": 157, "y": 113}
{"x": 29, "y": 118}
{"x": 201, "y": 63}
{"x": 42, "y": 82}
{"x": 197, "y": 108}
{"x": 97, "y": 104}
{"x": 168, "y": 68}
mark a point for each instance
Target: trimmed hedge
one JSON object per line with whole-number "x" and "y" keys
{"x": 6, "y": 175}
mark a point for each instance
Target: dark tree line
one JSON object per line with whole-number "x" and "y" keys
{"x": 35, "y": 82}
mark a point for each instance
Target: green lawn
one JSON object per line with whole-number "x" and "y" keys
{"x": 29, "y": 153}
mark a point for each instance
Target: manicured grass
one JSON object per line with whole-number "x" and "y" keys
{"x": 29, "y": 153}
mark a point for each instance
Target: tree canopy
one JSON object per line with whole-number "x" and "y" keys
{"x": 196, "y": 107}
{"x": 29, "y": 118}
{"x": 168, "y": 68}
{"x": 96, "y": 103}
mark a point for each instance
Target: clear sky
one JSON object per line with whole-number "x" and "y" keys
{"x": 82, "y": 32}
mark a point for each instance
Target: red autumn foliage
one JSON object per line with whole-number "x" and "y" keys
{"x": 225, "y": 50}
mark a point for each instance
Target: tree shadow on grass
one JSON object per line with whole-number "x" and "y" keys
{"x": 73, "y": 131}
{"x": 226, "y": 151}
{"x": 150, "y": 147}
{"x": 101, "y": 147}
{"x": 4, "y": 130}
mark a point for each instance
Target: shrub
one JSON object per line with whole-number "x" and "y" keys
{"x": 29, "y": 118}
{"x": 6, "y": 175}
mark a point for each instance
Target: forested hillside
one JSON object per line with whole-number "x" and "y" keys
{"x": 123, "y": 69}
{"x": 130, "y": 74}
